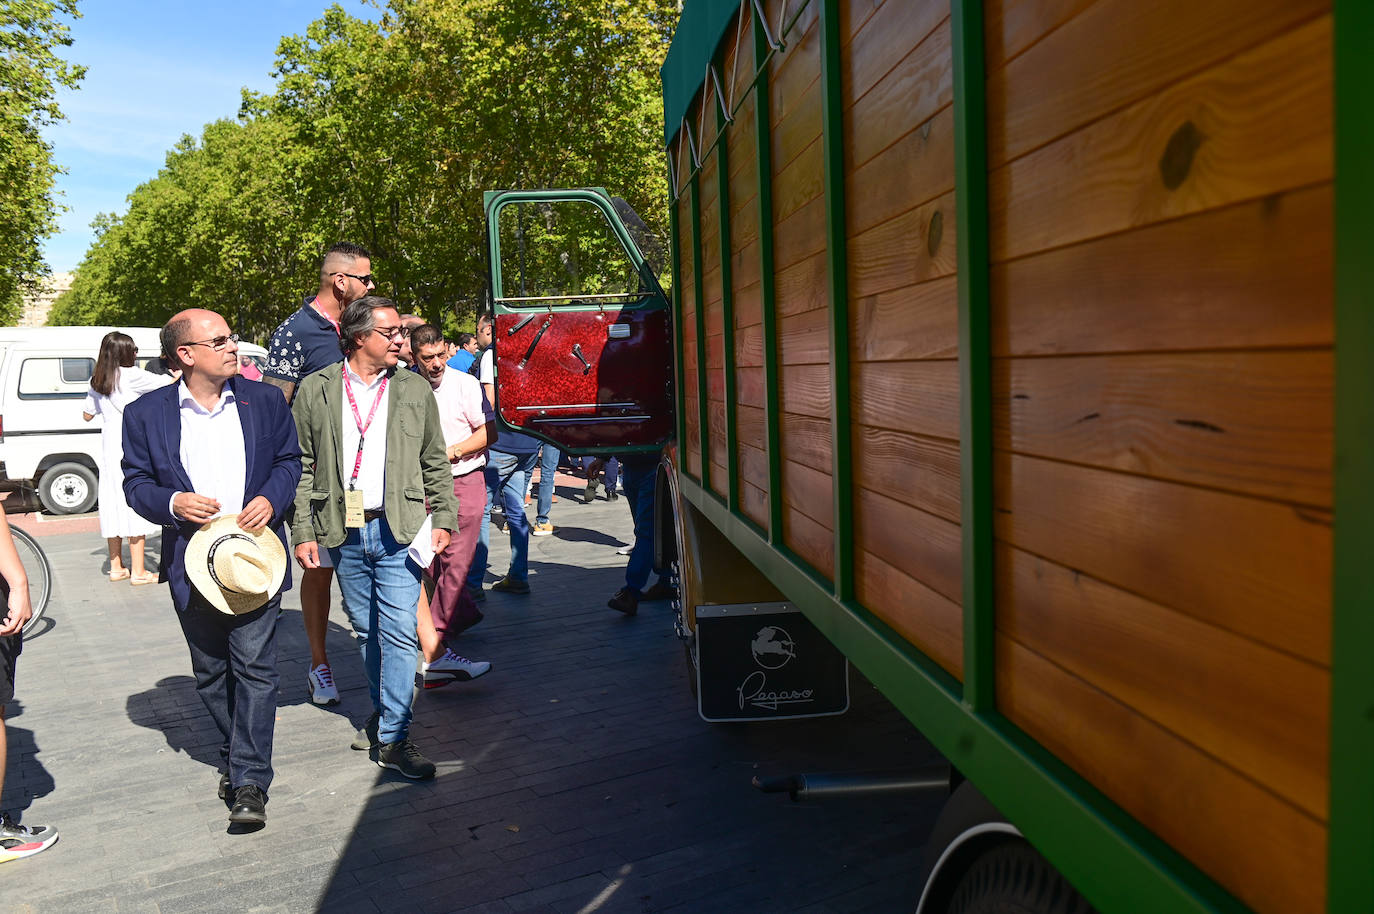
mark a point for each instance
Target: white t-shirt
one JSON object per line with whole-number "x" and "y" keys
{"x": 485, "y": 373}
{"x": 462, "y": 411}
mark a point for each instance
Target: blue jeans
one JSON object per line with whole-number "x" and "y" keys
{"x": 639, "y": 475}
{"x": 506, "y": 478}
{"x": 381, "y": 589}
{"x": 234, "y": 659}
{"x": 548, "y": 468}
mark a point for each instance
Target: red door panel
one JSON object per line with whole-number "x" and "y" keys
{"x": 587, "y": 379}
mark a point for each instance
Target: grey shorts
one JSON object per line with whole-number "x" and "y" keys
{"x": 10, "y": 646}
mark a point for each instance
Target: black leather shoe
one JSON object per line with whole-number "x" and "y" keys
{"x": 625, "y": 601}
{"x": 659, "y": 591}
{"x": 250, "y": 806}
{"x": 224, "y": 785}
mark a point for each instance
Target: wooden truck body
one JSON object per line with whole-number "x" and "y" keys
{"x": 1027, "y": 348}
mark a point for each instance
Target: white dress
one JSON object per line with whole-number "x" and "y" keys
{"x": 116, "y": 517}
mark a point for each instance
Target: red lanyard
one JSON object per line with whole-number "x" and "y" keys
{"x": 358, "y": 418}
{"x": 320, "y": 311}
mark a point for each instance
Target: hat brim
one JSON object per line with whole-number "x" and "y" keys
{"x": 198, "y": 573}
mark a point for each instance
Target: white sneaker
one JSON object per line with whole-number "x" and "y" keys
{"x": 452, "y": 668}
{"x": 321, "y": 683}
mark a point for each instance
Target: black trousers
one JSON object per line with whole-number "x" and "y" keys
{"x": 234, "y": 659}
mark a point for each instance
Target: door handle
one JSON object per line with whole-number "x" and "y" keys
{"x": 535, "y": 342}
{"x": 577, "y": 351}
{"x": 618, "y": 332}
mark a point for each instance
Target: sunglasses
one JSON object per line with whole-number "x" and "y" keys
{"x": 367, "y": 279}
{"x": 217, "y": 343}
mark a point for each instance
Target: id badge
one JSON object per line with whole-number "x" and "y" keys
{"x": 353, "y": 508}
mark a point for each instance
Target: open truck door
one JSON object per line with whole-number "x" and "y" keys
{"x": 582, "y": 338}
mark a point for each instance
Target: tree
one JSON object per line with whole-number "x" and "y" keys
{"x": 30, "y": 74}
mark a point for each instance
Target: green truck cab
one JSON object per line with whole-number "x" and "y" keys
{"x": 1020, "y": 354}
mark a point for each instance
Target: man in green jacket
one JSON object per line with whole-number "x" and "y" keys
{"x": 372, "y": 454}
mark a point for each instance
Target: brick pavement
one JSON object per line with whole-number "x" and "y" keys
{"x": 575, "y": 777}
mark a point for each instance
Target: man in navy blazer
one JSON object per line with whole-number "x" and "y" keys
{"x": 218, "y": 444}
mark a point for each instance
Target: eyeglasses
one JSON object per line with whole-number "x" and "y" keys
{"x": 367, "y": 280}
{"x": 393, "y": 333}
{"x": 217, "y": 343}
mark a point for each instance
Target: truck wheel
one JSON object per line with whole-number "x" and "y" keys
{"x": 1013, "y": 878}
{"x": 68, "y": 488}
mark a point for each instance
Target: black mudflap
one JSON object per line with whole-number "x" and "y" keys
{"x": 766, "y": 661}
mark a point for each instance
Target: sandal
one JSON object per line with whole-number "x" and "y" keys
{"x": 146, "y": 578}
{"x": 119, "y": 574}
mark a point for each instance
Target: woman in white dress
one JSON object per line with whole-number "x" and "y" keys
{"x": 115, "y": 384}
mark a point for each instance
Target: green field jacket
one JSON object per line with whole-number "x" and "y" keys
{"x": 417, "y": 467}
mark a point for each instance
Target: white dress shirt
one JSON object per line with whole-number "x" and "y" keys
{"x": 212, "y": 449}
{"x": 372, "y": 474}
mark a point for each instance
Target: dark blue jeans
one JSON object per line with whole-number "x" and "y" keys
{"x": 234, "y": 659}
{"x": 638, "y": 477}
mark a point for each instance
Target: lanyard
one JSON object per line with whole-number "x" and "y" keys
{"x": 320, "y": 311}
{"x": 358, "y": 418}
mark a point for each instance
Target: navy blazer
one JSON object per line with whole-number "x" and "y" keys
{"x": 153, "y": 472}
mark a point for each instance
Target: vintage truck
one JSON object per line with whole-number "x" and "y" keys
{"x": 1024, "y": 350}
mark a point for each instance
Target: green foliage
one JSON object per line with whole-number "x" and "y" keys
{"x": 30, "y": 74}
{"x": 386, "y": 134}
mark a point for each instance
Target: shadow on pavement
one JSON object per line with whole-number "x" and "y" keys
{"x": 25, "y": 777}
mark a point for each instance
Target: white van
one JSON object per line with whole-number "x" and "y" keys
{"x": 44, "y": 443}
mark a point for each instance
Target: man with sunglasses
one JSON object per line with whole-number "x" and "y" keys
{"x": 305, "y": 342}
{"x": 218, "y": 444}
{"x": 373, "y": 452}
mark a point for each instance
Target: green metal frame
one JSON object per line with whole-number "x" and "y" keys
{"x": 837, "y": 275}
{"x": 699, "y": 299}
{"x": 975, "y": 347}
{"x": 679, "y": 391}
{"x": 772, "y": 392}
{"x": 727, "y": 305}
{"x": 1350, "y": 875}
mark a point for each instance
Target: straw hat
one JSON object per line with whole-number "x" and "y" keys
{"x": 235, "y": 570}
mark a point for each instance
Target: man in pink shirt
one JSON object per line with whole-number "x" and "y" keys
{"x": 469, "y": 425}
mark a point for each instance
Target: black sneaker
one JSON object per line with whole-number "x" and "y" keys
{"x": 23, "y": 840}
{"x": 625, "y": 601}
{"x": 224, "y": 786}
{"x": 250, "y": 806}
{"x": 366, "y": 738}
{"x": 402, "y": 756}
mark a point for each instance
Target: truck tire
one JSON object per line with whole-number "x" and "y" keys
{"x": 1012, "y": 878}
{"x": 68, "y": 488}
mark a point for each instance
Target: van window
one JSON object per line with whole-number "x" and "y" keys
{"x": 55, "y": 378}
{"x": 561, "y": 251}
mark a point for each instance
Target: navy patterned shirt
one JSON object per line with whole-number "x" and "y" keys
{"x": 303, "y": 344}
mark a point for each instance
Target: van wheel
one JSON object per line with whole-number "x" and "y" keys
{"x": 68, "y": 488}
{"x": 1013, "y": 878}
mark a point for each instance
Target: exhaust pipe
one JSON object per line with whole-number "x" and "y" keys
{"x": 819, "y": 786}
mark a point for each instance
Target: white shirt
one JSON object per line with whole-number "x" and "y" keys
{"x": 212, "y": 449}
{"x": 372, "y": 474}
{"x": 463, "y": 409}
{"x": 486, "y": 372}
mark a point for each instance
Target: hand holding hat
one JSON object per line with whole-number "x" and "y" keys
{"x": 235, "y": 570}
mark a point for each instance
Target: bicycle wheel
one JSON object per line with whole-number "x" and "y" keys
{"x": 36, "y": 565}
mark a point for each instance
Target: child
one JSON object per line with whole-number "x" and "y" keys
{"x": 15, "y": 840}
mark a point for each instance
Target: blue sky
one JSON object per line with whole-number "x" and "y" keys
{"x": 155, "y": 70}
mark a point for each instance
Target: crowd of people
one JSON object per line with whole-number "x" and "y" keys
{"x": 379, "y": 450}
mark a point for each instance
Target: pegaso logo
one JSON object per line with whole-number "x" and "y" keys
{"x": 772, "y": 648}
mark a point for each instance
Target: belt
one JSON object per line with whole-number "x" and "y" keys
{"x": 374, "y": 515}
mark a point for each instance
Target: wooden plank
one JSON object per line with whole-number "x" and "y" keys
{"x": 915, "y": 322}
{"x": 1198, "y": 145}
{"x": 814, "y": 543}
{"x": 1251, "y": 275}
{"x": 919, "y": 397}
{"x": 741, "y": 139}
{"x": 1258, "y": 423}
{"x": 805, "y": 391}
{"x": 853, "y": 15}
{"x": 793, "y": 134}
{"x": 802, "y": 235}
{"x": 916, "y": 169}
{"x": 912, "y": 469}
{"x": 800, "y": 182}
{"x": 921, "y": 545}
{"x": 1011, "y": 26}
{"x": 749, "y": 346}
{"x": 749, "y": 386}
{"x": 808, "y": 489}
{"x": 884, "y": 41}
{"x": 800, "y": 63}
{"x": 922, "y": 84}
{"x": 1257, "y": 568}
{"x": 804, "y": 339}
{"x": 754, "y": 503}
{"x": 1261, "y": 848}
{"x": 807, "y": 440}
{"x": 751, "y": 428}
{"x": 1116, "y": 52}
{"x": 916, "y": 246}
{"x": 801, "y": 286}
{"x": 1203, "y": 684}
{"x": 715, "y": 354}
{"x": 929, "y": 620}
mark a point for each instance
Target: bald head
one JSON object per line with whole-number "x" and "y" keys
{"x": 178, "y": 330}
